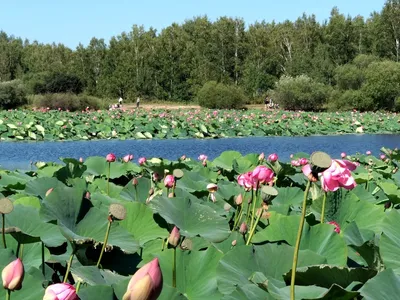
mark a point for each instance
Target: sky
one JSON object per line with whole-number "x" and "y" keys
{"x": 77, "y": 21}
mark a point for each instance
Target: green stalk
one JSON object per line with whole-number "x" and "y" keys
{"x": 105, "y": 243}
{"x": 78, "y": 286}
{"x": 136, "y": 194}
{"x": 21, "y": 254}
{"x": 297, "y": 246}
{"x": 108, "y": 179}
{"x": 253, "y": 229}
{"x": 174, "y": 270}
{"x": 253, "y": 212}
{"x": 43, "y": 266}
{"x": 18, "y": 247}
{"x": 3, "y": 228}
{"x": 8, "y": 295}
{"x": 68, "y": 266}
{"x": 238, "y": 216}
{"x": 248, "y": 207}
{"x": 323, "y": 208}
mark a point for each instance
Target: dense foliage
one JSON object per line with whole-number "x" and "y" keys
{"x": 12, "y": 94}
{"x": 55, "y": 83}
{"x": 179, "y": 124}
{"x": 70, "y": 102}
{"x": 176, "y": 62}
{"x": 56, "y": 219}
{"x": 220, "y": 96}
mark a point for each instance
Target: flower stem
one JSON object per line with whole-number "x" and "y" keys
{"x": 78, "y": 286}
{"x": 174, "y": 270}
{"x": 43, "y": 265}
{"x": 238, "y": 216}
{"x": 248, "y": 207}
{"x": 108, "y": 179}
{"x": 297, "y": 246}
{"x": 3, "y": 233}
{"x": 18, "y": 247}
{"x": 21, "y": 253}
{"x": 323, "y": 208}
{"x": 68, "y": 266}
{"x": 136, "y": 194}
{"x": 253, "y": 229}
{"x": 8, "y": 295}
{"x": 105, "y": 242}
{"x": 253, "y": 212}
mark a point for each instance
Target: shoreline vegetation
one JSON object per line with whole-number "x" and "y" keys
{"x": 58, "y": 125}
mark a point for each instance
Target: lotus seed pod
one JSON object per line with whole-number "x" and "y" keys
{"x": 178, "y": 173}
{"x": 212, "y": 187}
{"x": 117, "y": 211}
{"x": 6, "y": 206}
{"x": 320, "y": 162}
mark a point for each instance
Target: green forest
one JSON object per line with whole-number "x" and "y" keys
{"x": 345, "y": 62}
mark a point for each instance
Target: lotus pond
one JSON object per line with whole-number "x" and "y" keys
{"x": 180, "y": 124}
{"x": 227, "y": 228}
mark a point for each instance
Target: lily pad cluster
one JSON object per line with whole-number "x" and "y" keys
{"x": 53, "y": 125}
{"x": 56, "y": 217}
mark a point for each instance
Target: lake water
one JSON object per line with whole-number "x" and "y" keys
{"x": 18, "y": 155}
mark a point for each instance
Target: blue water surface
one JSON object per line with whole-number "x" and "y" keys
{"x": 19, "y": 155}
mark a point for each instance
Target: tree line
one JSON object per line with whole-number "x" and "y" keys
{"x": 175, "y": 63}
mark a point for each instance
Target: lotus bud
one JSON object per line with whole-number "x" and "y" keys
{"x": 171, "y": 195}
{"x": 243, "y": 228}
{"x": 227, "y": 207}
{"x": 239, "y": 199}
{"x": 383, "y": 156}
{"x": 337, "y": 227}
{"x": 146, "y": 283}
{"x": 343, "y": 155}
{"x": 204, "y": 163}
{"x": 273, "y": 157}
{"x": 60, "y": 291}
{"x": 81, "y": 159}
{"x": 151, "y": 191}
{"x": 303, "y": 161}
{"x": 395, "y": 170}
{"x": 174, "y": 237}
{"x": 49, "y": 191}
{"x": 234, "y": 243}
{"x": 156, "y": 177}
{"x": 368, "y": 152}
{"x": 183, "y": 157}
{"x": 261, "y": 157}
{"x": 135, "y": 181}
{"x": 142, "y": 161}
{"x": 111, "y": 157}
{"x": 87, "y": 195}
{"x": 169, "y": 181}
{"x": 202, "y": 157}
{"x": 13, "y": 275}
{"x": 212, "y": 187}
{"x": 127, "y": 158}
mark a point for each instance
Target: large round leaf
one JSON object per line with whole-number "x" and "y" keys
{"x": 384, "y": 286}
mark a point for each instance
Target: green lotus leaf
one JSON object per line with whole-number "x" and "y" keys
{"x": 226, "y": 159}
{"x": 383, "y": 286}
{"x": 40, "y": 186}
{"x": 192, "y": 218}
{"x": 96, "y": 292}
{"x": 139, "y": 193}
{"x": 390, "y": 240}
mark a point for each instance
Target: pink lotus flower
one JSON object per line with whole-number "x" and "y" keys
{"x": 368, "y": 152}
{"x": 174, "y": 237}
{"x": 337, "y": 227}
{"x": 146, "y": 283}
{"x": 13, "y": 275}
{"x": 202, "y": 157}
{"x": 295, "y": 163}
{"x": 262, "y": 174}
{"x": 273, "y": 157}
{"x": 142, "y": 160}
{"x": 111, "y": 157}
{"x": 343, "y": 155}
{"x": 303, "y": 161}
{"x": 336, "y": 176}
{"x": 60, "y": 291}
{"x": 127, "y": 158}
{"x": 246, "y": 180}
{"x": 383, "y": 156}
{"x": 169, "y": 181}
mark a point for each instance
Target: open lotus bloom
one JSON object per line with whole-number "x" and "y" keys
{"x": 13, "y": 275}
{"x": 146, "y": 283}
{"x": 336, "y": 176}
{"x": 60, "y": 291}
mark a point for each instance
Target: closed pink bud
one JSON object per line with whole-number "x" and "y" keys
{"x": 368, "y": 152}
{"x": 87, "y": 195}
{"x": 13, "y": 275}
{"x": 337, "y": 227}
{"x": 146, "y": 283}
{"x": 49, "y": 191}
{"x": 111, "y": 157}
{"x": 239, "y": 199}
{"x": 343, "y": 155}
{"x": 202, "y": 157}
{"x": 135, "y": 181}
{"x": 303, "y": 161}
{"x": 142, "y": 160}
{"x": 183, "y": 157}
{"x": 81, "y": 159}
{"x": 261, "y": 156}
{"x": 174, "y": 237}
{"x": 60, "y": 291}
{"x": 169, "y": 181}
{"x": 383, "y": 156}
{"x": 273, "y": 157}
{"x": 127, "y": 158}
{"x": 243, "y": 228}
{"x": 234, "y": 243}
{"x": 156, "y": 176}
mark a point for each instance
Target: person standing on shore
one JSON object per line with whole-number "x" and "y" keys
{"x": 137, "y": 102}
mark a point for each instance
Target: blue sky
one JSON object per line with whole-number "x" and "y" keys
{"x": 77, "y": 21}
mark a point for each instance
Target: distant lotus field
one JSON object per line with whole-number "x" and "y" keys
{"x": 53, "y": 125}
{"x": 236, "y": 227}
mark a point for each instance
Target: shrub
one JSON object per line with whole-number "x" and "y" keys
{"x": 217, "y": 95}
{"x": 12, "y": 94}
{"x": 382, "y": 84}
{"x": 70, "y": 102}
{"x": 349, "y": 77}
{"x": 352, "y": 99}
{"x": 300, "y": 93}
{"x": 44, "y": 83}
